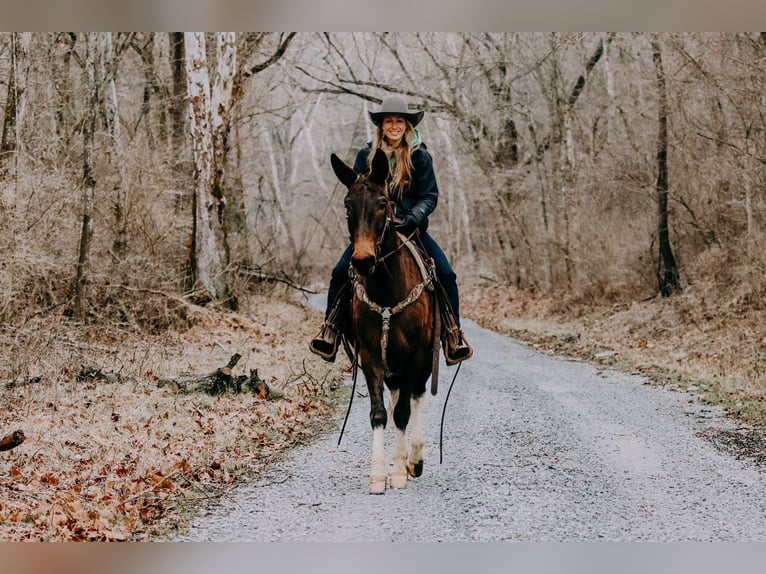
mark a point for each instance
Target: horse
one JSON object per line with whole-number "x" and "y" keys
{"x": 392, "y": 319}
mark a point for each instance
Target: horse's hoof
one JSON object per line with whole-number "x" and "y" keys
{"x": 399, "y": 480}
{"x": 378, "y": 484}
{"x": 415, "y": 469}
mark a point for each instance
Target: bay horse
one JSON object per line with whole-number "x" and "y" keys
{"x": 392, "y": 320}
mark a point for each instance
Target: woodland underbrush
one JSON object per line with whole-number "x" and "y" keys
{"x": 109, "y": 454}
{"x": 710, "y": 337}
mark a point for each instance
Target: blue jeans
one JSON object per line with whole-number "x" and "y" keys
{"x": 444, "y": 272}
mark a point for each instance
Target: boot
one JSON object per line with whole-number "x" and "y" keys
{"x": 325, "y": 344}
{"x": 456, "y": 347}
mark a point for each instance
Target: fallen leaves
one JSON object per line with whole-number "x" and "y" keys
{"x": 112, "y": 461}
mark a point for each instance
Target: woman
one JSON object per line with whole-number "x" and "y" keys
{"x": 412, "y": 187}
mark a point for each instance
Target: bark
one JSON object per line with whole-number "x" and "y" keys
{"x": 667, "y": 270}
{"x": 206, "y": 270}
{"x": 221, "y": 103}
{"x": 16, "y": 101}
{"x": 611, "y": 100}
{"x": 178, "y": 103}
{"x": 112, "y": 115}
{"x": 89, "y": 182}
{"x": 61, "y": 76}
{"x": 221, "y": 100}
{"x": 151, "y": 89}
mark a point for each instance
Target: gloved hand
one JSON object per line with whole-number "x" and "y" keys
{"x": 407, "y": 225}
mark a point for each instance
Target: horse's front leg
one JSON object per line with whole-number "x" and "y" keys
{"x": 400, "y": 411}
{"x": 378, "y": 417}
{"x": 415, "y": 463}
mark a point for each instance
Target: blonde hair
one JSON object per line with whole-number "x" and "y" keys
{"x": 401, "y": 174}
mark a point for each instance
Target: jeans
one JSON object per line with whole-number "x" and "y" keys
{"x": 444, "y": 273}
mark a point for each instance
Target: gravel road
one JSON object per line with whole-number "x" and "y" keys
{"x": 536, "y": 448}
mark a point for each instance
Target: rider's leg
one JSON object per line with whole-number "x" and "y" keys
{"x": 325, "y": 344}
{"x": 458, "y": 348}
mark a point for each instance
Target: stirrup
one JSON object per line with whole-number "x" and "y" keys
{"x": 326, "y": 343}
{"x": 459, "y": 351}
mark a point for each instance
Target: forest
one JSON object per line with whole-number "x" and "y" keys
{"x": 607, "y": 166}
{"x": 601, "y": 195}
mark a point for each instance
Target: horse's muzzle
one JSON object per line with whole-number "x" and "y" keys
{"x": 364, "y": 266}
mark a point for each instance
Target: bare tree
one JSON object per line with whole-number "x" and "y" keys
{"x": 16, "y": 102}
{"x": 207, "y": 273}
{"x": 178, "y": 101}
{"x": 667, "y": 269}
{"x": 89, "y": 181}
{"x": 112, "y": 115}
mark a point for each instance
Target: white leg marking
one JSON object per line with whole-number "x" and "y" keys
{"x": 416, "y": 440}
{"x": 391, "y": 404}
{"x": 378, "y": 467}
{"x": 399, "y": 471}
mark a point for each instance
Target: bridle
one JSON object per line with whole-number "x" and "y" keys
{"x": 387, "y": 312}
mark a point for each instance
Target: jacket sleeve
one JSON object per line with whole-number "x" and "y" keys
{"x": 424, "y": 184}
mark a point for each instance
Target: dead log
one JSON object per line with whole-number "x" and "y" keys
{"x": 12, "y": 440}
{"x": 221, "y": 381}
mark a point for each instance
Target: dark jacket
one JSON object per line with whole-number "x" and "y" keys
{"x": 421, "y": 194}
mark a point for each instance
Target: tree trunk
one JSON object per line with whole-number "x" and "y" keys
{"x": 221, "y": 99}
{"x": 150, "y": 88}
{"x": 178, "y": 103}
{"x": 221, "y": 102}
{"x": 61, "y": 79}
{"x": 111, "y": 109}
{"x": 16, "y": 102}
{"x": 667, "y": 270}
{"x": 207, "y": 278}
{"x": 611, "y": 96}
{"x": 89, "y": 182}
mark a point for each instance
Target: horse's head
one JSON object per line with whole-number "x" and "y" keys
{"x": 368, "y": 209}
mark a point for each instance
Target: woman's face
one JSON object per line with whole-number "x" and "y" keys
{"x": 394, "y": 128}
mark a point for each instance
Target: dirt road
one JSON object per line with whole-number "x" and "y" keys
{"x": 536, "y": 448}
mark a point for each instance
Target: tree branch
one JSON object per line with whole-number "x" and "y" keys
{"x": 280, "y": 51}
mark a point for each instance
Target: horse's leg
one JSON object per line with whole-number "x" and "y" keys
{"x": 392, "y": 403}
{"x": 401, "y": 418}
{"x": 415, "y": 463}
{"x": 378, "y": 418}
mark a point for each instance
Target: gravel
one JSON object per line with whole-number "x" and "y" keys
{"x": 536, "y": 448}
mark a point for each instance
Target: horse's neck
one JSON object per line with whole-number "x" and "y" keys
{"x": 392, "y": 279}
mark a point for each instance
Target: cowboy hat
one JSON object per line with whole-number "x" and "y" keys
{"x": 396, "y": 105}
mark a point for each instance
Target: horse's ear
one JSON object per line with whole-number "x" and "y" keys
{"x": 379, "y": 167}
{"x": 346, "y": 175}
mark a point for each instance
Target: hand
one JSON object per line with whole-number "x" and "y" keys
{"x": 407, "y": 225}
